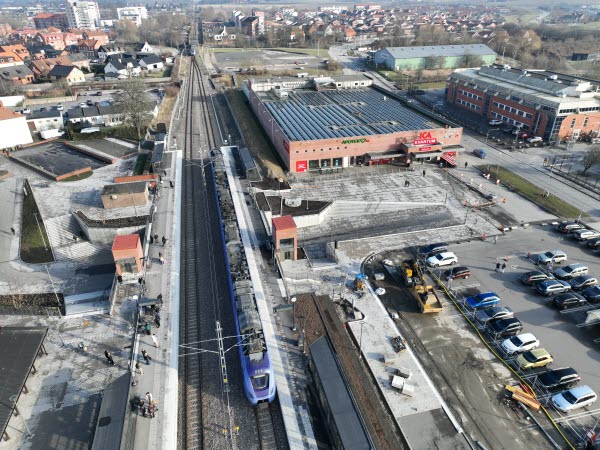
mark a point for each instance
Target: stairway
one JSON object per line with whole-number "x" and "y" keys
{"x": 61, "y": 230}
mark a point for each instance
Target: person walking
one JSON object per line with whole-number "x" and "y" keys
{"x": 164, "y": 240}
{"x": 503, "y": 267}
{"x": 171, "y": 183}
{"x": 148, "y": 328}
{"x": 497, "y": 267}
{"x": 495, "y": 239}
{"x": 151, "y": 410}
{"x": 159, "y": 298}
{"x": 156, "y": 237}
{"x": 149, "y": 398}
{"x": 423, "y": 172}
{"x": 109, "y": 357}
{"x": 12, "y": 230}
{"x": 155, "y": 340}
{"x": 146, "y": 357}
{"x": 151, "y": 240}
{"x": 157, "y": 322}
{"x": 139, "y": 368}
{"x": 466, "y": 164}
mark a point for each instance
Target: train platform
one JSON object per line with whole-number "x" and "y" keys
{"x": 298, "y": 427}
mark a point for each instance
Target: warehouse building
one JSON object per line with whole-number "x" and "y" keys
{"x": 552, "y": 105}
{"x": 434, "y": 57}
{"x": 324, "y": 123}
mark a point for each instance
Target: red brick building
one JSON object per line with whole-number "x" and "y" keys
{"x": 128, "y": 254}
{"x": 326, "y": 123}
{"x": 547, "y": 104}
{"x": 285, "y": 237}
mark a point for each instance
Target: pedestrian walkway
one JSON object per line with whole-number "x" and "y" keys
{"x": 154, "y": 363}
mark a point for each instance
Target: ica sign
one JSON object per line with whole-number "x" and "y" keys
{"x": 425, "y": 139}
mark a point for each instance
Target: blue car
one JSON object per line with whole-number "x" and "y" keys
{"x": 483, "y": 300}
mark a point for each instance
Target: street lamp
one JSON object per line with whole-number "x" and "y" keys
{"x": 293, "y": 300}
{"x": 487, "y": 135}
{"x": 362, "y": 323}
{"x": 518, "y": 131}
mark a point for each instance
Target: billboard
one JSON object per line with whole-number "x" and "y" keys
{"x": 301, "y": 166}
{"x": 425, "y": 138}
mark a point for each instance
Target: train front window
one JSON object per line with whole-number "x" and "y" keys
{"x": 260, "y": 382}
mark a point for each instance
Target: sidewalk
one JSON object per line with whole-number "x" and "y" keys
{"x": 159, "y": 377}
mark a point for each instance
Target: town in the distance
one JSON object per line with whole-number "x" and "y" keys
{"x": 258, "y": 225}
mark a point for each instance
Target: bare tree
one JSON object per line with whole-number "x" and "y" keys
{"x": 591, "y": 158}
{"x": 135, "y": 104}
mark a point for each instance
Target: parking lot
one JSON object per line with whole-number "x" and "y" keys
{"x": 569, "y": 345}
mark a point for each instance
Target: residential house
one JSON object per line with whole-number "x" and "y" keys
{"x": 55, "y": 40}
{"x": 349, "y": 34}
{"x": 89, "y": 47}
{"x": 97, "y": 35}
{"x": 80, "y": 61}
{"x": 17, "y": 49}
{"x": 143, "y": 47}
{"x": 45, "y": 120}
{"x": 104, "y": 51}
{"x": 17, "y": 74}
{"x": 117, "y": 64}
{"x": 13, "y": 129}
{"x": 152, "y": 63}
{"x": 8, "y": 59}
{"x": 41, "y": 68}
{"x": 108, "y": 116}
{"x": 70, "y": 74}
{"x": 44, "y": 21}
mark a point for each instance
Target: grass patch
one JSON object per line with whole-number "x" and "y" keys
{"x": 166, "y": 107}
{"x": 35, "y": 246}
{"x": 533, "y": 193}
{"x": 79, "y": 176}
{"x": 254, "y": 136}
{"x": 140, "y": 163}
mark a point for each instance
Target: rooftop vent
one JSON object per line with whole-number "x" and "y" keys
{"x": 553, "y": 77}
{"x": 293, "y": 202}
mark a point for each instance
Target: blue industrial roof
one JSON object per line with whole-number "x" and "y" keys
{"x": 312, "y": 115}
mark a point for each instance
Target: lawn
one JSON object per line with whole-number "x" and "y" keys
{"x": 35, "y": 246}
{"x": 256, "y": 140}
{"x": 533, "y": 193}
{"x": 140, "y": 163}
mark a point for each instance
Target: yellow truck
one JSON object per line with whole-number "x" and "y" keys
{"x": 427, "y": 299}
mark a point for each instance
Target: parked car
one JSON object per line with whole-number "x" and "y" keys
{"x": 592, "y": 294}
{"x": 564, "y": 377}
{"x": 99, "y": 93}
{"x": 583, "y": 282}
{"x": 532, "y": 359}
{"x": 568, "y": 300}
{"x": 43, "y": 109}
{"x": 483, "y": 300}
{"x": 574, "y": 398}
{"x": 520, "y": 343}
{"x": 533, "y": 139}
{"x": 495, "y": 122}
{"x": 594, "y": 244}
{"x": 570, "y": 271}
{"x": 489, "y": 315}
{"x": 553, "y": 256}
{"x": 456, "y": 273}
{"x": 26, "y": 111}
{"x": 480, "y": 153}
{"x": 534, "y": 277}
{"x": 60, "y": 107}
{"x": 568, "y": 227}
{"x": 553, "y": 287}
{"x": 505, "y": 327}
{"x": 442, "y": 259}
{"x": 584, "y": 235}
{"x": 433, "y": 249}
{"x": 83, "y": 105}
{"x": 89, "y": 102}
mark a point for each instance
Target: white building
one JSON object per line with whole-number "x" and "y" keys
{"x": 13, "y": 129}
{"x": 45, "y": 120}
{"x": 133, "y": 13}
{"x": 82, "y": 14}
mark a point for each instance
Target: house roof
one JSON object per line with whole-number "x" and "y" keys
{"x": 9, "y": 73}
{"x": 139, "y": 46}
{"x": 87, "y": 42}
{"x": 77, "y": 57}
{"x": 61, "y": 71}
{"x": 439, "y": 50}
{"x": 136, "y": 187}
{"x": 6, "y": 114}
{"x": 91, "y": 111}
{"x": 151, "y": 59}
{"x": 126, "y": 241}
{"x": 44, "y": 114}
{"x": 284, "y": 223}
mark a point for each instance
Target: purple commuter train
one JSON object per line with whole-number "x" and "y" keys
{"x": 259, "y": 382}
